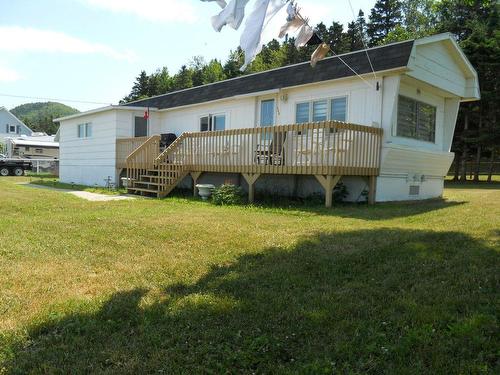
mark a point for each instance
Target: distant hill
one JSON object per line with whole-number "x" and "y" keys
{"x": 39, "y": 116}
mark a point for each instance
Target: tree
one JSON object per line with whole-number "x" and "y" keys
{"x": 213, "y": 72}
{"x": 355, "y": 36}
{"x": 140, "y": 88}
{"x": 183, "y": 79}
{"x": 385, "y": 16}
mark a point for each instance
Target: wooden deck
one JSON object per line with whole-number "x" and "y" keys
{"x": 327, "y": 150}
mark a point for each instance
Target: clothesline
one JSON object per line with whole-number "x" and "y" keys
{"x": 232, "y": 14}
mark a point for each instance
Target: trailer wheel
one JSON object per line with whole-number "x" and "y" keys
{"x": 18, "y": 172}
{"x": 4, "y": 171}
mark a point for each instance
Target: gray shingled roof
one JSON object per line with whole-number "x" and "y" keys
{"x": 383, "y": 58}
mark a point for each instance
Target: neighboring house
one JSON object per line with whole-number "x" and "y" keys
{"x": 37, "y": 146}
{"x": 388, "y": 134}
{"x": 11, "y": 126}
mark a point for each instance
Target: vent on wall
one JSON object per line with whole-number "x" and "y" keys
{"x": 414, "y": 190}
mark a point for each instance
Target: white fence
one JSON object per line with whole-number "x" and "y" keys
{"x": 45, "y": 166}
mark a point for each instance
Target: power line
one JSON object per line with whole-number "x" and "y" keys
{"x": 306, "y": 22}
{"x": 53, "y": 99}
{"x": 362, "y": 40}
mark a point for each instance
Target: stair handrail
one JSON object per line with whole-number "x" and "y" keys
{"x": 172, "y": 148}
{"x": 142, "y": 147}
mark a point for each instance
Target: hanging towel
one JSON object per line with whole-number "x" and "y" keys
{"x": 222, "y": 3}
{"x": 305, "y": 33}
{"x": 319, "y": 54}
{"x": 251, "y": 38}
{"x": 231, "y": 15}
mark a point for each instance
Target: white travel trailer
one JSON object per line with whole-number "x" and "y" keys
{"x": 295, "y": 130}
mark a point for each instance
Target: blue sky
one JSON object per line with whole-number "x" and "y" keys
{"x": 92, "y": 50}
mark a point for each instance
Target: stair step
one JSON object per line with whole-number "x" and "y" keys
{"x": 143, "y": 190}
{"x": 157, "y": 177}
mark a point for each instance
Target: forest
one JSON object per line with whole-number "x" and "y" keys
{"x": 473, "y": 22}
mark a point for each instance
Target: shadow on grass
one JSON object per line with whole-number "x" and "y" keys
{"x": 380, "y": 211}
{"x": 472, "y": 185}
{"x": 380, "y": 301}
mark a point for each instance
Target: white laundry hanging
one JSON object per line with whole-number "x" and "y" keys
{"x": 222, "y": 3}
{"x": 319, "y": 54}
{"x": 251, "y": 38}
{"x": 305, "y": 34}
{"x": 231, "y": 15}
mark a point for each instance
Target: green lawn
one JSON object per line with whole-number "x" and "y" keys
{"x": 181, "y": 286}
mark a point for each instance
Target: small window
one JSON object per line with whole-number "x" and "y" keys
{"x": 320, "y": 110}
{"x": 212, "y": 123}
{"x": 85, "y": 130}
{"x": 219, "y": 122}
{"x": 81, "y": 131}
{"x": 12, "y": 129}
{"x": 302, "y": 113}
{"x": 205, "y": 124}
{"x": 339, "y": 109}
{"x": 39, "y": 150}
{"x": 416, "y": 119}
{"x": 27, "y": 148}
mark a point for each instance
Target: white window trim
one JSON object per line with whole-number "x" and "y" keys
{"x": 84, "y": 125}
{"x": 396, "y": 124}
{"x": 329, "y": 106}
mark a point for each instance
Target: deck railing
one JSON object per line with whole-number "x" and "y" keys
{"x": 140, "y": 161}
{"x": 124, "y": 147}
{"x": 327, "y": 148}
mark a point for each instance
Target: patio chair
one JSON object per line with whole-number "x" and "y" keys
{"x": 273, "y": 153}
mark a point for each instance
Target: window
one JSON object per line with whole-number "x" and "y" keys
{"x": 339, "y": 109}
{"x": 140, "y": 127}
{"x": 212, "y": 123}
{"x": 219, "y": 122}
{"x": 85, "y": 130}
{"x": 416, "y": 119}
{"x": 321, "y": 110}
{"x": 39, "y": 150}
{"x": 302, "y": 113}
{"x": 12, "y": 129}
{"x": 267, "y": 112}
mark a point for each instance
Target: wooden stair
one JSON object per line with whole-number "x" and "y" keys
{"x": 155, "y": 172}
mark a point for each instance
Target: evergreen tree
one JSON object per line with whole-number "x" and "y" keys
{"x": 183, "y": 79}
{"x": 385, "y": 16}
{"x": 355, "y": 36}
{"x": 213, "y": 72}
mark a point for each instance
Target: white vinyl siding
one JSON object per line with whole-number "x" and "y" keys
{"x": 416, "y": 119}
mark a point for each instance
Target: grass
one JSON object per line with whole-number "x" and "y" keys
{"x": 53, "y": 181}
{"x": 182, "y": 286}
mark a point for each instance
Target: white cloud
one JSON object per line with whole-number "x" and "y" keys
{"x": 20, "y": 39}
{"x": 8, "y": 75}
{"x": 151, "y": 10}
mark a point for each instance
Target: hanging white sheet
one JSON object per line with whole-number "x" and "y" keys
{"x": 231, "y": 15}
{"x": 251, "y": 38}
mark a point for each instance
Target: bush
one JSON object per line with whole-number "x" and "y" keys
{"x": 227, "y": 195}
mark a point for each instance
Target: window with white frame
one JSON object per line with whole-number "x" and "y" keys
{"x": 11, "y": 129}
{"x": 85, "y": 130}
{"x": 416, "y": 119}
{"x": 321, "y": 110}
{"x": 211, "y": 123}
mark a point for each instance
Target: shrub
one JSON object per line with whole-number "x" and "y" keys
{"x": 228, "y": 194}
{"x": 340, "y": 193}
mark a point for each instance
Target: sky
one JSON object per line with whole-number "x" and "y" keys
{"x": 92, "y": 50}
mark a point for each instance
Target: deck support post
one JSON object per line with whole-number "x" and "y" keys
{"x": 328, "y": 182}
{"x": 251, "y": 179}
{"x": 372, "y": 192}
{"x": 195, "y": 176}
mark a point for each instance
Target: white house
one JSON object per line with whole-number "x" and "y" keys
{"x": 387, "y": 131}
{"x": 11, "y": 126}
